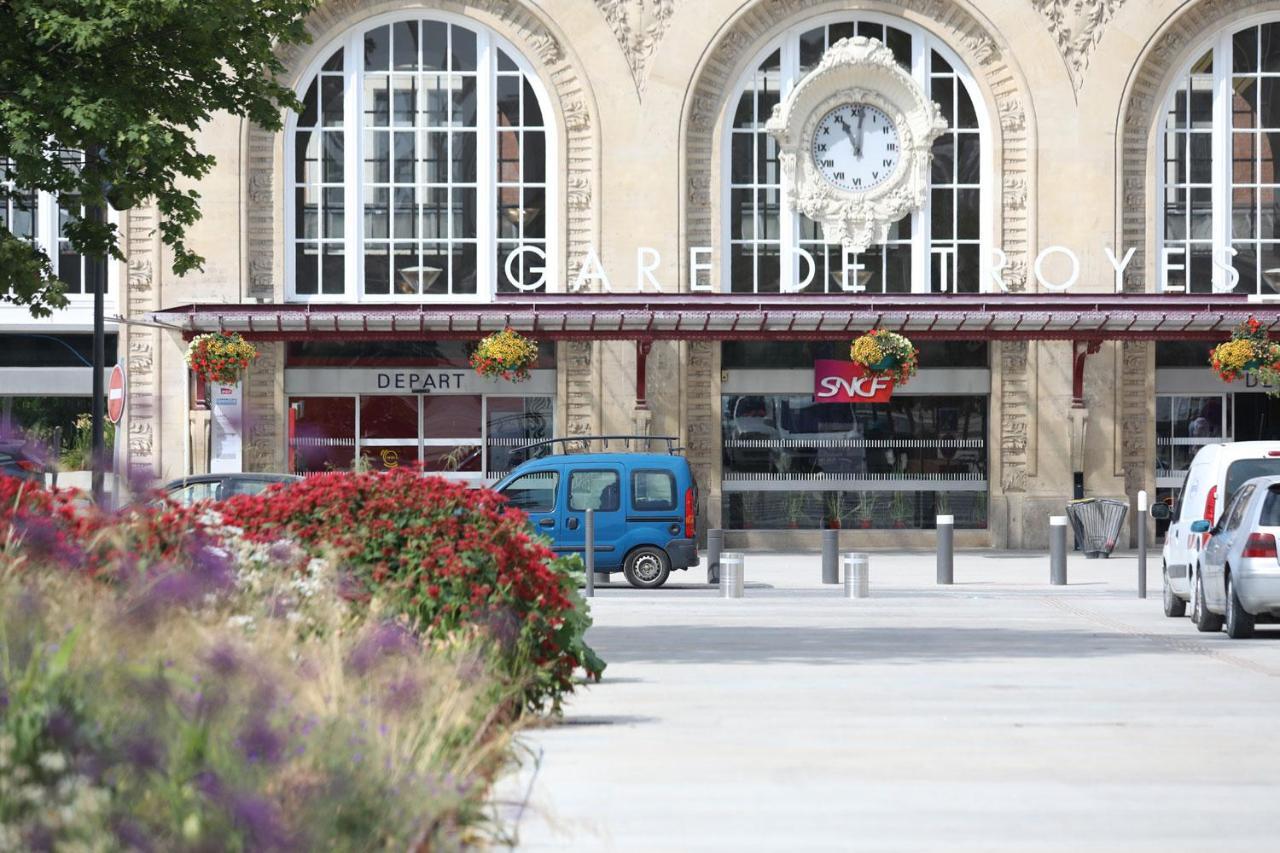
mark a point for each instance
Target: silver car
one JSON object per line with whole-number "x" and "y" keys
{"x": 1239, "y": 577}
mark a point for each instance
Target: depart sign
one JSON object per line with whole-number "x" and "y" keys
{"x": 836, "y": 381}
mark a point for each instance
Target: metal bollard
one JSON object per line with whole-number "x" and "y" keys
{"x": 857, "y": 575}
{"x": 1142, "y": 544}
{"x": 589, "y": 546}
{"x": 1058, "y": 550}
{"x": 715, "y": 544}
{"x": 946, "y": 549}
{"x": 731, "y": 574}
{"x": 830, "y": 556}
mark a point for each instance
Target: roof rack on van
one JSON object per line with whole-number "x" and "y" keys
{"x": 641, "y": 441}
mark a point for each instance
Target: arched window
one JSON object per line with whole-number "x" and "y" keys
{"x": 1218, "y": 222}
{"x": 943, "y": 239}
{"x": 422, "y": 160}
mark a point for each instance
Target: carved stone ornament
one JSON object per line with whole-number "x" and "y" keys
{"x": 860, "y": 72}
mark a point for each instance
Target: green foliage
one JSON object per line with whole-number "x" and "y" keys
{"x": 77, "y": 453}
{"x": 130, "y": 82}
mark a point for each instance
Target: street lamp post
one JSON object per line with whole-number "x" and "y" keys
{"x": 96, "y": 278}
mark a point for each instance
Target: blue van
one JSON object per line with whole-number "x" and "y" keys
{"x": 645, "y": 505}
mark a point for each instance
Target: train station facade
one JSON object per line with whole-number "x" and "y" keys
{"x": 1093, "y": 206}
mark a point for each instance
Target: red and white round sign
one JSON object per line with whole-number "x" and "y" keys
{"x": 115, "y": 395}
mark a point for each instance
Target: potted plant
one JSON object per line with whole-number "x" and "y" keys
{"x": 796, "y": 505}
{"x": 900, "y": 509}
{"x": 866, "y": 512}
{"x": 887, "y": 354}
{"x": 1249, "y": 350}
{"x": 835, "y": 509}
{"x": 505, "y": 355}
{"x": 220, "y": 357}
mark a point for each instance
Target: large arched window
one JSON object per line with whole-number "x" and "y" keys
{"x": 422, "y": 160}
{"x": 1218, "y": 224}
{"x": 944, "y": 238}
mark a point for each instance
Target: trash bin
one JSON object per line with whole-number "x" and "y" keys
{"x": 1097, "y": 523}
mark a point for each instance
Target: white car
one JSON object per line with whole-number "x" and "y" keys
{"x": 1240, "y": 572}
{"x": 1215, "y": 474}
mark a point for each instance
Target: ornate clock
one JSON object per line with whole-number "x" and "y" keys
{"x": 855, "y": 142}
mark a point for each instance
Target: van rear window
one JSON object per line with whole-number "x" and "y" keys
{"x": 653, "y": 491}
{"x": 1243, "y": 470}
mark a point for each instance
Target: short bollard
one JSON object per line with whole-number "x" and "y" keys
{"x": 830, "y": 556}
{"x": 946, "y": 549}
{"x": 1142, "y": 544}
{"x": 731, "y": 574}
{"x": 589, "y": 547}
{"x": 857, "y": 575}
{"x": 1058, "y": 550}
{"x": 715, "y": 544}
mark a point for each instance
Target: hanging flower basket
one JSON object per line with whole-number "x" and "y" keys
{"x": 505, "y": 355}
{"x": 219, "y": 357}
{"x": 1249, "y": 350}
{"x": 885, "y": 353}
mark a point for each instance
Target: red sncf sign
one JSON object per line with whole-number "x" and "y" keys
{"x": 845, "y": 382}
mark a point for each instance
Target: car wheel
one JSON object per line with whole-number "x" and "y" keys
{"x": 647, "y": 567}
{"x": 1239, "y": 621}
{"x": 1173, "y": 606}
{"x": 1206, "y": 621}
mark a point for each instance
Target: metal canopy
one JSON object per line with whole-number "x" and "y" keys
{"x": 714, "y": 316}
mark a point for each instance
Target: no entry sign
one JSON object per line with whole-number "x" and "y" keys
{"x": 115, "y": 395}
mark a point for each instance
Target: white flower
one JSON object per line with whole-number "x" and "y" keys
{"x": 52, "y": 762}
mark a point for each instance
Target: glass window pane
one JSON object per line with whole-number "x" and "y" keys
{"x": 1244, "y": 51}
{"x": 462, "y": 49}
{"x": 533, "y": 492}
{"x": 334, "y": 271}
{"x": 377, "y": 49}
{"x": 306, "y": 269}
{"x": 596, "y": 490}
{"x": 377, "y": 269}
{"x": 1269, "y": 36}
{"x": 404, "y": 40}
{"x": 532, "y": 109}
{"x": 435, "y": 42}
{"x": 323, "y": 436}
{"x": 508, "y": 95}
{"x": 464, "y": 101}
{"x": 331, "y": 97}
{"x": 653, "y": 491}
{"x": 452, "y": 416}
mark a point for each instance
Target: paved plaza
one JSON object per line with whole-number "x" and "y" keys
{"x": 1001, "y": 713}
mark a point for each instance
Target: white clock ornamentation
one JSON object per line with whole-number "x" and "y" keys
{"x": 855, "y": 142}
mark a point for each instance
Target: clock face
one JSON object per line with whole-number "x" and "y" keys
{"x": 856, "y": 147}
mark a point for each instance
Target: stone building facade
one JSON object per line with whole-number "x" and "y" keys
{"x": 633, "y": 139}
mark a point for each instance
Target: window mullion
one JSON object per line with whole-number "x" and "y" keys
{"x": 353, "y": 162}
{"x": 486, "y": 169}
{"x": 921, "y": 260}
{"x": 1220, "y": 165}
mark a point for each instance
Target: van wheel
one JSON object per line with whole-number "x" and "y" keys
{"x": 1206, "y": 622}
{"x": 1239, "y": 621}
{"x": 1173, "y": 606}
{"x": 647, "y": 567}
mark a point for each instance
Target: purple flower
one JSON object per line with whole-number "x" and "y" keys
{"x": 385, "y": 640}
{"x": 131, "y": 836}
{"x": 260, "y": 821}
{"x": 402, "y": 694}
{"x": 144, "y": 753}
{"x": 223, "y": 660}
{"x": 260, "y": 742}
{"x": 281, "y": 552}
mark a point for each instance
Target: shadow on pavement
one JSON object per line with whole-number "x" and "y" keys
{"x": 821, "y": 645}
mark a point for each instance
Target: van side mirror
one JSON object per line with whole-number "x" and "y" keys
{"x": 1160, "y": 511}
{"x": 1200, "y": 526}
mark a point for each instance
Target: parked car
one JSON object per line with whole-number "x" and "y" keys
{"x": 645, "y": 509}
{"x": 215, "y": 487}
{"x": 1240, "y": 573}
{"x": 19, "y": 459}
{"x": 1216, "y": 472}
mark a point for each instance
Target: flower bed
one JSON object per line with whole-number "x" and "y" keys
{"x": 170, "y": 681}
{"x": 452, "y": 559}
